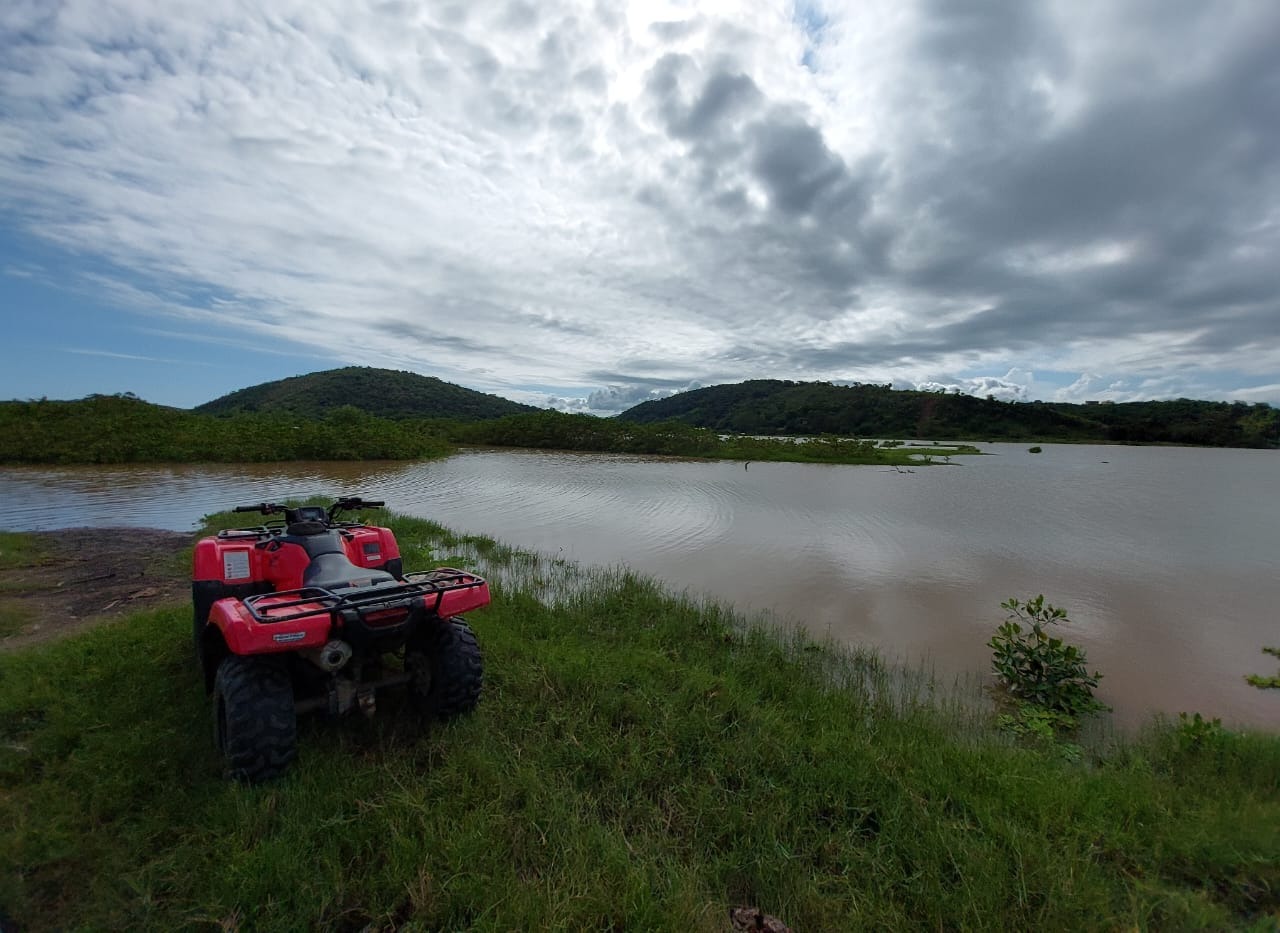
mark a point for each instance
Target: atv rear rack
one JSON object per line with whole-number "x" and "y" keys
{"x": 432, "y": 586}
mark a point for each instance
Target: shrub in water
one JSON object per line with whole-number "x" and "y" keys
{"x": 1266, "y": 683}
{"x": 1040, "y": 669}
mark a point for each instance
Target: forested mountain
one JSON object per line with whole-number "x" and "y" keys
{"x": 771, "y": 406}
{"x": 383, "y": 392}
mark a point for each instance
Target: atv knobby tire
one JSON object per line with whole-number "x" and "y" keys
{"x": 448, "y": 669}
{"x": 255, "y": 724}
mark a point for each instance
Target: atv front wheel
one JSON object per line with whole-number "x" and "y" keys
{"x": 447, "y": 669}
{"x": 254, "y": 721}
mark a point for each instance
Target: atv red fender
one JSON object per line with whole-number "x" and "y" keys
{"x": 309, "y": 617}
{"x": 243, "y": 634}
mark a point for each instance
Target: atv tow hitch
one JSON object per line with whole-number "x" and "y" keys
{"x": 345, "y": 694}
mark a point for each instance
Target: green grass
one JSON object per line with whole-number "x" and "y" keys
{"x": 20, "y": 549}
{"x": 638, "y": 761}
{"x": 17, "y": 551}
{"x": 14, "y": 617}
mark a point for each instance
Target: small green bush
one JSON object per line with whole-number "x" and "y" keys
{"x": 1040, "y": 669}
{"x": 1195, "y": 732}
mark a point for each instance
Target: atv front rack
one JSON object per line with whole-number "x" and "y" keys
{"x": 444, "y": 592}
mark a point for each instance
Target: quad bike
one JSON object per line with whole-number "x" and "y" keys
{"x": 314, "y": 613}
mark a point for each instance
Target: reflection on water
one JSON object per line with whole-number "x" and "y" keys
{"x": 1166, "y": 557}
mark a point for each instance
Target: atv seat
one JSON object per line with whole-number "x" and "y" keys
{"x": 335, "y": 571}
{"x": 305, "y": 529}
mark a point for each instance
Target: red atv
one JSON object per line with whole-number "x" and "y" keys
{"x": 314, "y": 613}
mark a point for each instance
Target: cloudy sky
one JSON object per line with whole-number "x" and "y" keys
{"x": 589, "y": 204}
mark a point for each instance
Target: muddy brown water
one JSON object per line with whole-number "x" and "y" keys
{"x": 1167, "y": 558}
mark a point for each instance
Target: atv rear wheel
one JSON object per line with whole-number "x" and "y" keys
{"x": 254, "y": 721}
{"x": 447, "y": 669}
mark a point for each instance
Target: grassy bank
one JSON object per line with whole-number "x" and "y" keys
{"x": 638, "y": 762}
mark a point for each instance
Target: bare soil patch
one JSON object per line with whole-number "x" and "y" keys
{"x": 79, "y": 577}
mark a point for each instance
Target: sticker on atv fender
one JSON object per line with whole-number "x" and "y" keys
{"x": 285, "y": 637}
{"x": 235, "y": 564}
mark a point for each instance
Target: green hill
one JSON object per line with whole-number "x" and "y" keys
{"x": 771, "y": 406}
{"x": 383, "y": 392}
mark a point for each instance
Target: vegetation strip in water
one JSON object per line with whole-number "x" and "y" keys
{"x": 557, "y": 431}
{"x": 638, "y": 761}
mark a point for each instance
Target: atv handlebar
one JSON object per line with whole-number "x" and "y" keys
{"x": 355, "y": 502}
{"x": 344, "y": 504}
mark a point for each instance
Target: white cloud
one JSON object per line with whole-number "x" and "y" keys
{"x": 634, "y": 197}
{"x": 607, "y": 401}
{"x": 131, "y": 356}
{"x": 1012, "y": 387}
{"x": 574, "y": 406}
{"x": 1268, "y": 394}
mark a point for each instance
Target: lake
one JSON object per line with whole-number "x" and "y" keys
{"x": 1166, "y": 558}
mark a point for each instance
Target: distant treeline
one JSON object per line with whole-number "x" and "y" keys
{"x": 779, "y": 407}
{"x": 123, "y": 429}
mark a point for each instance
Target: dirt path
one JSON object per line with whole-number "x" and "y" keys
{"x": 85, "y": 576}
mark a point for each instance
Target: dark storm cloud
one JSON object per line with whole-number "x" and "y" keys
{"x": 795, "y": 166}
{"x": 1132, "y": 164}
{"x": 1179, "y": 172}
{"x": 793, "y": 357}
{"x": 422, "y": 341}
{"x": 808, "y": 224}
{"x": 634, "y": 378}
{"x": 721, "y": 97}
{"x": 735, "y": 133}
{"x": 1145, "y": 205}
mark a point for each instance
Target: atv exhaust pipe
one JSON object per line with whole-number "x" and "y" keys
{"x": 331, "y": 657}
